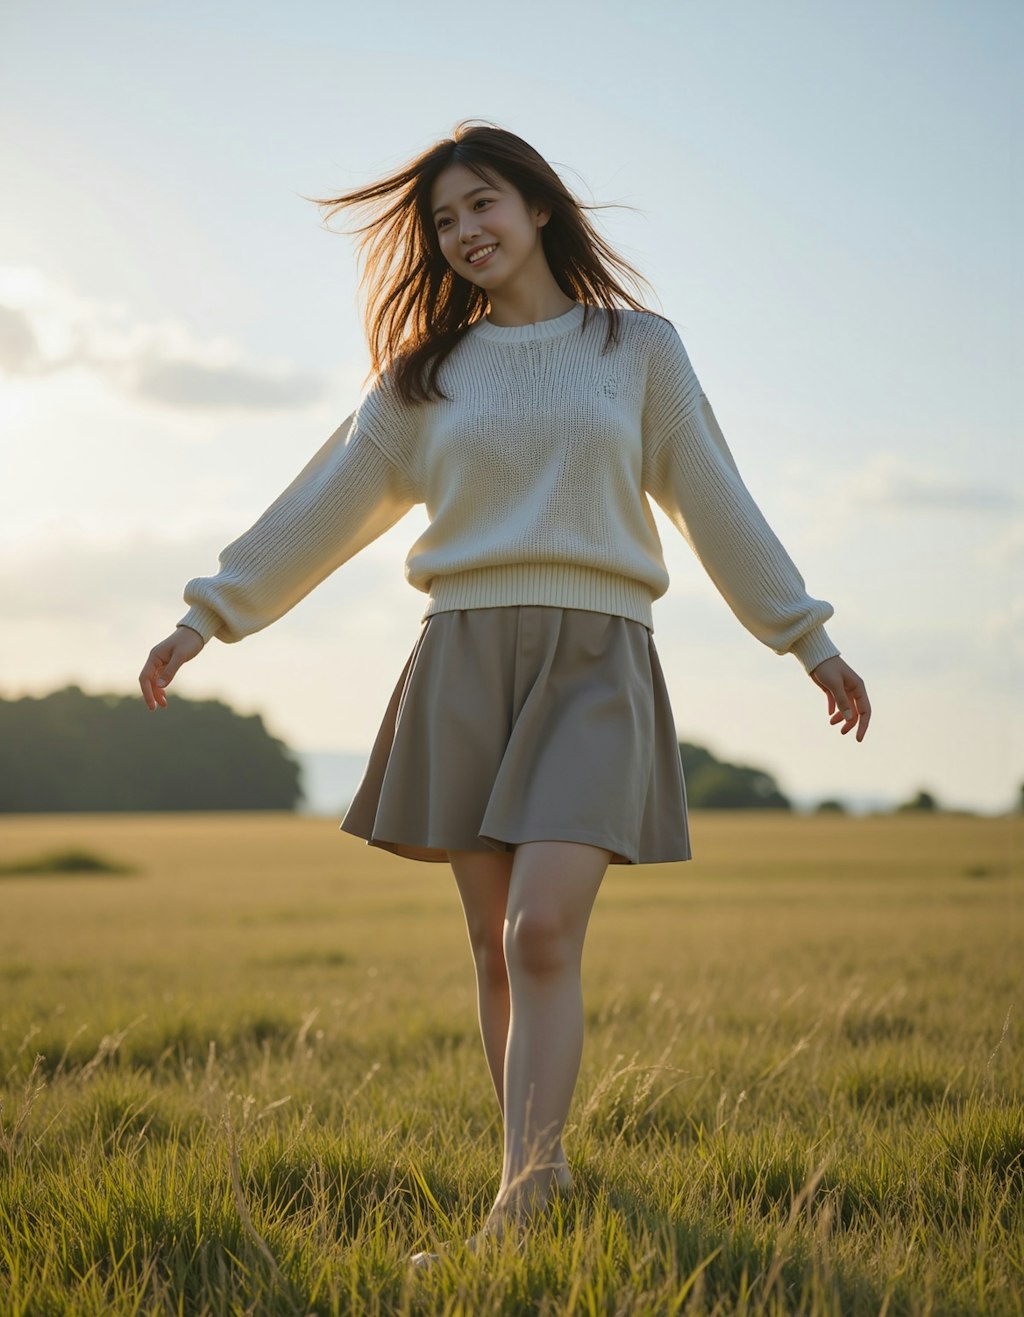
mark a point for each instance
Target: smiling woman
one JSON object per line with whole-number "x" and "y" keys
{"x": 483, "y": 187}
{"x": 497, "y": 233}
{"x": 533, "y": 406}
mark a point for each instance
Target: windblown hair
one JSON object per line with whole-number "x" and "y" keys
{"x": 417, "y": 307}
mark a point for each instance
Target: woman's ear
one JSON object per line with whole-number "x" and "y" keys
{"x": 543, "y": 214}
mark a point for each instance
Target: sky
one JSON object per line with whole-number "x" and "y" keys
{"x": 825, "y": 199}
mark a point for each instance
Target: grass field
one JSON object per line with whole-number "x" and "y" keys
{"x": 247, "y": 1077}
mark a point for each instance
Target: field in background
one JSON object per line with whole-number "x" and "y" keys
{"x": 262, "y": 1085}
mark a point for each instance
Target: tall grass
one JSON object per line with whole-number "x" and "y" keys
{"x": 248, "y": 1079}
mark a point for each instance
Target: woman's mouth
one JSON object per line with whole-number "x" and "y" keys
{"x": 483, "y": 256}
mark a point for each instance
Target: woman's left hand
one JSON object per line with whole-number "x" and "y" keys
{"x": 847, "y": 698}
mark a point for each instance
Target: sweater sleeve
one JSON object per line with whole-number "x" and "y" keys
{"x": 348, "y": 494}
{"x": 691, "y": 474}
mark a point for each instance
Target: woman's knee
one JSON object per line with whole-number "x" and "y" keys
{"x": 551, "y": 894}
{"x": 489, "y": 957}
{"x": 487, "y": 942}
{"x": 539, "y": 943}
{"x": 483, "y": 881}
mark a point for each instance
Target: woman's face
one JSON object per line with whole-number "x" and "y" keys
{"x": 470, "y": 215}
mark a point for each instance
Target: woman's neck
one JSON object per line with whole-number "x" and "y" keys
{"x": 529, "y": 310}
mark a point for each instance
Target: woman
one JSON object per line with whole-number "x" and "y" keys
{"x": 531, "y": 404}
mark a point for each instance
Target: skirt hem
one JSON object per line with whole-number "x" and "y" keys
{"x": 437, "y": 853}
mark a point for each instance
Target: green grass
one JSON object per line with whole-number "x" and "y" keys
{"x": 250, "y": 1080}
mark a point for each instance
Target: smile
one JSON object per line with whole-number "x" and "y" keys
{"x": 482, "y": 255}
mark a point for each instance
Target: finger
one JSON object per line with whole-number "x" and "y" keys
{"x": 845, "y": 712}
{"x": 169, "y": 663}
{"x": 152, "y": 680}
{"x": 861, "y": 705}
{"x": 838, "y": 704}
{"x": 167, "y": 674}
{"x": 152, "y": 696}
{"x": 853, "y": 718}
{"x": 865, "y": 717}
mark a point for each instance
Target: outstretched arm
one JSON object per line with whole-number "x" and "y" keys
{"x": 690, "y": 472}
{"x": 348, "y": 494}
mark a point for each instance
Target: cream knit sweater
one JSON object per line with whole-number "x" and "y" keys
{"x": 534, "y": 476}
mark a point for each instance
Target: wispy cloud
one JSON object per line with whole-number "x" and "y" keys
{"x": 45, "y": 328}
{"x": 19, "y": 350}
{"x": 77, "y": 578}
{"x": 1006, "y": 550}
{"x": 895, "y": 483}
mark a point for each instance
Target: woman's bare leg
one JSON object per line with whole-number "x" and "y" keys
{"x": 552, "y": 890}
{"x": 483, "y": 879}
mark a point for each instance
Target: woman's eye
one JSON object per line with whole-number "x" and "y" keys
{"x": 480, "y": 201}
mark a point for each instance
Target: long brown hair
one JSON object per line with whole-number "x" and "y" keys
{"x": 417, "y": 307}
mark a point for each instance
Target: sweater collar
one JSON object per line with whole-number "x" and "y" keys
{"x": 540, "y": 329}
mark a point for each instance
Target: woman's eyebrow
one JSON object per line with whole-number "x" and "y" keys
{"x": 486, "y": 187}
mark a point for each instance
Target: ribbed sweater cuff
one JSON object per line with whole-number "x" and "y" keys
{"x": 814, "y": 648}
{"x": 557, "y": 585}
{"x": 202, "y": 619}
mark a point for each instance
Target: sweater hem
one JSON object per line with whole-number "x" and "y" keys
{"x": 554, "y": 585}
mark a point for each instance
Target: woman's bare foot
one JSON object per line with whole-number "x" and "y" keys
{"x": 563, "y": 1181}
{"x": 505, "y": 1219}
{"x": 494, "y": 1231}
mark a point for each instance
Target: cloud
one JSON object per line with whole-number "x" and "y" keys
{"x": 1006, "y": 550}
{"x": 1002, "y": 635}
{"x": 77, "y": 579}
{"x": 894, "y": 483}
{"x": 81, "y": 579}
{"x": 205, "y": 386}
{"x": 45, "y": 328}
{"x": 19, "y": 351}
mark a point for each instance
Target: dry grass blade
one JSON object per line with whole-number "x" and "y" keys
{"x": 34, "y": 1086}
{"x": 243, "y": 1209}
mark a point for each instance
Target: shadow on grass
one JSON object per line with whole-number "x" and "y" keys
{"x": 70, "y": 860}
{"x": 175, "y": 1044}
{"x": 734, "y": 1264}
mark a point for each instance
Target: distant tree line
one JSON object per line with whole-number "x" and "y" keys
{"x": 713, "y": 784}
{"x": 68, "y": 751}
{"x": 921, "y": 803}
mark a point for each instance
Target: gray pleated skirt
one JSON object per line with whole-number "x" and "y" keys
{"x": 526, "y": 723}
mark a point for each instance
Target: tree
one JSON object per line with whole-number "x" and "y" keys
{"x": 713, "y": 784}
{"x": 923, "y": 802}
{"x": 72, "y": 751}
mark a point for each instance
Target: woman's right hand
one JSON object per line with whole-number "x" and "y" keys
{"x": 164, "y": 661}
